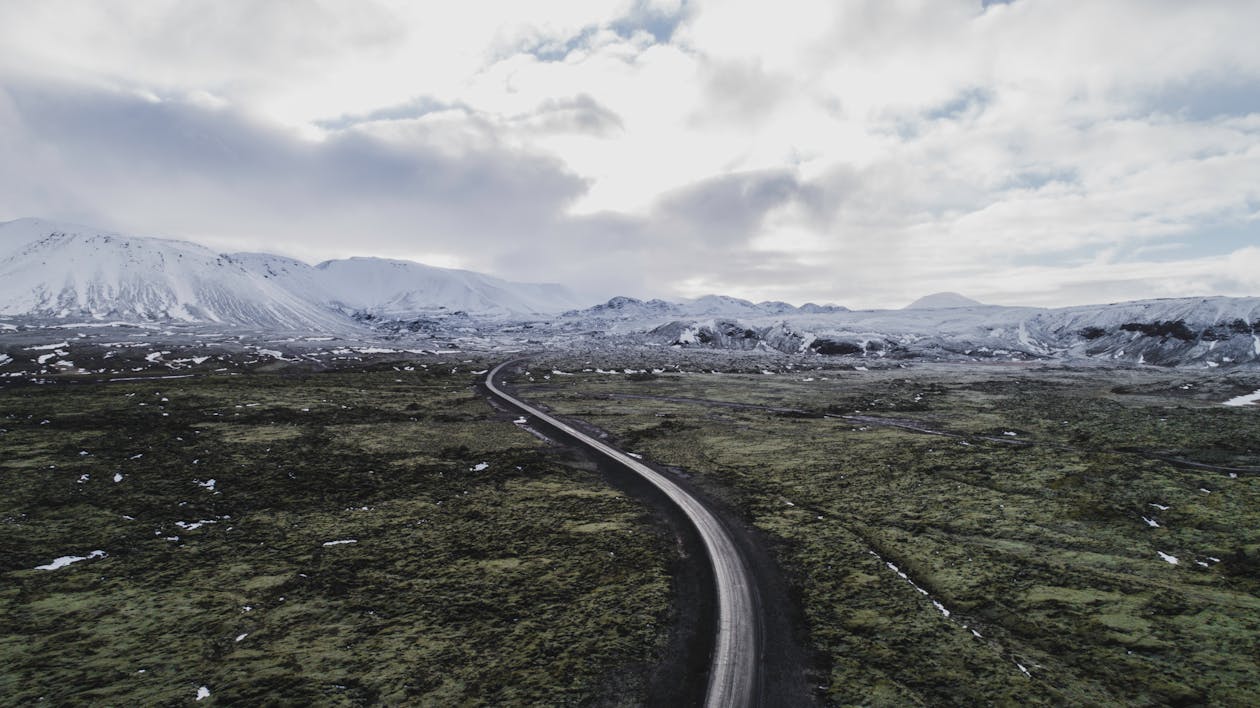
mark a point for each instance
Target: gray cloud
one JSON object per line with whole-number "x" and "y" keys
{"x": 739, "y": 92}
{"x": 729, "y": 209}
{"x": 579, "y": 114}
{"x": 410, "y": 110}
{"x": 576, "y": 114}
{"x": 195, "y": 171}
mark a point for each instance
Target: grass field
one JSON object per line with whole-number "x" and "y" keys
{"x": 1042, "y": 554}
{"x": 337, "y": 539}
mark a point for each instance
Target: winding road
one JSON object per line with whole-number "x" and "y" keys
{"x": 735, "y": 666}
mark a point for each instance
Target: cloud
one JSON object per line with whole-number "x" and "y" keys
{"x": 165, "y": 166}
{"x": 726, "y": 210}
{"x": 863, "y": 152}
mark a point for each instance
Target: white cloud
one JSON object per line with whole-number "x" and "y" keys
{"x": 863, "y": 151}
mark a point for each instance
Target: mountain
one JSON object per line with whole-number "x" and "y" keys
{"x": 627, "y": 308}
{"x": 941, "y": 301}
{"x": 402, "y": 288}
{"x": 1213, "y": 331}
{"x": 50, "y": 269}
{"x": 61, "y": 271}
{"x": 399, "y": 289}
{"x": 622, "y": 307}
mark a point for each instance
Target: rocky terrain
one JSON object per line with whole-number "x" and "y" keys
{"x": 85, "y": 286}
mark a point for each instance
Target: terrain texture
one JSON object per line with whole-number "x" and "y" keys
{"x": 365, "y": 536}
{"x": 964, "y": 535}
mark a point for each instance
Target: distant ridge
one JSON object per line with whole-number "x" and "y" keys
{"x": 942, "y": 301}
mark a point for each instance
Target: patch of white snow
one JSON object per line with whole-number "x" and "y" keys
{"x": 1244, "y": 400}
{"x": 67, "y": 560}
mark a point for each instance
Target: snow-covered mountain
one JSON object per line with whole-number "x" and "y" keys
{"x": 49, "y": 269}
{"x": 58, "y": 271}
{"x": 628, "y": 308}
{"x": 1213, "y": 331}
{"x": 940, "y": 301}
{"x": 401, "y": 288}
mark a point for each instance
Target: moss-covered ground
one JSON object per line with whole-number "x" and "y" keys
{"x": 1075, "y": 565}
{"x": 339, "y": 538}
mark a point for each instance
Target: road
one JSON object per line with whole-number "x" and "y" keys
{"x": 734, "y": 669}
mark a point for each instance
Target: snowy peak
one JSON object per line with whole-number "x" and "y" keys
{"x": 64, "y": 270}
{"x": 720, "y": 305}
{"x": 622, "y": 307}
{"x": 53, "y": 269}
{"x": 395, "y": 288}
{"x": 626, "y": 308}
{"x": 942, "y": 301}
{"x": 1207, "y": 332}
{"x": 402, "y": 288}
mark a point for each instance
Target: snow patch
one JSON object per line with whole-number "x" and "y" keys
{"x": 67, "y": 560}
{"x": 48, "y": 347}
{"x": 1171, "y": 560}
{"x": 1244, "y": 400}
{"x": 340, "y": 543}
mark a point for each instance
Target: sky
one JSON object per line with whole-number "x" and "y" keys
{"x": 861, "y": 152}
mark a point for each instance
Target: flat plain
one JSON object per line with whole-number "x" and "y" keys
{"x": 352, "y": 537}
{"x": 951, "y": 534}
{"x": 978, "y": 534}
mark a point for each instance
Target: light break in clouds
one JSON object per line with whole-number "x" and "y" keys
{"x": 1041, "y": 152}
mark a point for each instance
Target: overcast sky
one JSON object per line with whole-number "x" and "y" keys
{"x": 1045, "y": 152}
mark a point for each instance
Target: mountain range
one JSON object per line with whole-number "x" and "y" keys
{"x": 55, "y": 271}
{"x": 50, "y": 269}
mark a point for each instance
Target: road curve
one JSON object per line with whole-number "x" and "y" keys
{"x": 734, "y": 669}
